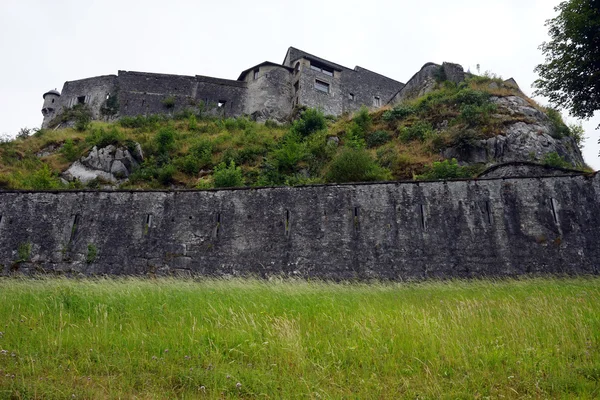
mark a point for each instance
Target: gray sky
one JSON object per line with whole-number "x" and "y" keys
{"x": 45, "y": 43}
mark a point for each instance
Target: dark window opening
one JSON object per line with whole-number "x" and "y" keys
{"x": 351, "y": 96}
{"x": 287, "y": 222}
{"x": 422, "y": 221}
{"x": 53, "y": 100}
{"x": 321, "y": 68}
{"x": 107, "y": 96}
{"x": 297, "y": 68}
{"x": 81, "y": 100}
{"x": 356, "y": 222}
{"x": 376, "y": 101}
{"x": 75, "y": 226}
{"x": 296, "y": 87}
{"x": 148, "y": 223}
{"x": 256, "y": 71}
{"x": 221, "y": 103}
{"x": 488, "y": 212}
{"x": 143, "y": 102}
{"x": 322, "y": 86}
{"x": 217, "y": 229}
{"x": 554, "y": 207}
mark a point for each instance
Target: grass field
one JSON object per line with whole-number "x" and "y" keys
{"x": 169, "y": 338}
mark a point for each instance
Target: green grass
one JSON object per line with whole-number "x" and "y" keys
{"x": 170, "y": 338}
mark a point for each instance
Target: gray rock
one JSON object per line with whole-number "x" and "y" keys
{"x": 527, "y": 140}
{"x": 111, "y": 164}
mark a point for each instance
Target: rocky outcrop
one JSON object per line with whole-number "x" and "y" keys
{"x": 530, "y": 137}
{"x": 427, "y": 80}
{"x": 110, "y": 164}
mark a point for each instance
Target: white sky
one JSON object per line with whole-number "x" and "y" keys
{"x": 45, "y": 43}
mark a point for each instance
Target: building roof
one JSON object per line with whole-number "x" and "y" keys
{"x": 53, "y": 91}
{"x": 269, "y": 63}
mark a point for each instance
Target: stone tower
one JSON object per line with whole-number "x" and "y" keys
{"x": 51, "y": 100}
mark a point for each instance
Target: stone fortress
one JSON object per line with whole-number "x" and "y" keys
{"x": 265, "y": 91}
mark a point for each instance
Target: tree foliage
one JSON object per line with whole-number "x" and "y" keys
{"x": 570, "y": 75}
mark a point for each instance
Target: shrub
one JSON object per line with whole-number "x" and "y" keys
{"x": 399, "y": 112}
{"x": 202, "y": 150}
{"x": 560, "y": 129}
{"x": 110, "y": 106}
{"x": 189, "y": 164}
{"x": 92, "y": 252}
{"x": 24, "y": 252}
{"x": 169, "y": 102}
{"x": 363, "y": 120}
{"x": 43, "y": 178}
{"x": 475, "y": 115}
{"x": 355, "y": 165}
{"x": 417, "y": 131}
{"x": 102, "y": 138}
{"x": 290, "y": 152}
{"x": 378, "y": 138}
{"x": 227, "y": 175}
{"x": 165, "y": 139}
{"x": 192, "y": 123}
{"x": 578, "y": 134}
{"x": 311, "y": 121}
{"x": 165, "y": 174}
{"x": 553, "y": 159}
{"x": 69, "y": 151}
{"x": 447, "y": 169}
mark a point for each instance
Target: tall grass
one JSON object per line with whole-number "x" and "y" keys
{"x": 170, "y": 338}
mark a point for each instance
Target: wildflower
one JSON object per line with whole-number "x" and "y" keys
{"x": 228, "y": 376}
{"x": 202, "y": 389}
{"x": 238, "y": 385}
{"x": 154, "y": 357}
{"x": 166, "y": 350}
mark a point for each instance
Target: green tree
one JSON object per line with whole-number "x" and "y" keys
{"x": 570, "y": 75}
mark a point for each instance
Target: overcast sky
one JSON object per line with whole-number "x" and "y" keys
{"x": 45, "y": 43}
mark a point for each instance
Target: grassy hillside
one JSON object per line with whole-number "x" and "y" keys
{"x": 192, "y": 150}
{"x": 165, "y": 339}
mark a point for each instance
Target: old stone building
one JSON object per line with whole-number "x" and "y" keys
{"x": 265, "y": 91}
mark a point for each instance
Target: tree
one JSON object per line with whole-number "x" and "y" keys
{"x": 570, "y": 76}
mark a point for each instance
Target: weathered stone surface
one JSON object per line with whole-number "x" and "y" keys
{"x": 412, "y": 230}
{"x": 530, "y": 139}
{"x": 110, "y": 164}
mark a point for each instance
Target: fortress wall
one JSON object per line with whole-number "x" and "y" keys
{"x": 365, "y": 85}
{"x": 270, "y": 96}
{"x": 94, "y": 90}
{"x": 143, "y": 93}
{"x": 496, "y": 227}
{"x": 211, "y": 91}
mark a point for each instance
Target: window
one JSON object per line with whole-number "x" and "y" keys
{"x": 256, "y": 73}
{"x": 221, "y": 103}
{"x": 297, "y": 68}
{"x": 376, "y": 101}
{"x": 322, "y": 86}
{"x": 81, "y": 100}
{"x": 351, "y": 96}
{"x": 52, "y": 100}
{"x": 321, "y": 68}
{"x": 296, "y": 87}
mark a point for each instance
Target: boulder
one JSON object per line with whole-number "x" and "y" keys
{"x": 529, "y": 137}
{"x": 111, "y": 164}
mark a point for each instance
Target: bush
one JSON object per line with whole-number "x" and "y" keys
{"x": 227, "y": 176}
{"x": 417, "y": 131}
{"x": 447, "y": 169}
{"x": 82, "y": 117}
{"x": 165, "y": 174}
{"x": 355, "y": 165}
{"x": 92, "y": 253}
{"x": 169, "y": 102}
{"x": 399, "y": 112}
{"x": 578, "y": 134}
{"x": 69, "y": 151}
{"x": 311, "y": 121}
{"x": 189, "y": 164}
{"x": 192, "y": 123}
{"x": 378, "y": 138}
{"x": 102, "y": 138}
{"x": 475, "y": 115}
{"x": 165, "y": 140}
{"x": 560, "y": 129}
{"x": 290, "y": 152}
{"x": 24, "y": 252}
{"x": 41, "y": 179}
{"x": 554, "y": 160}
